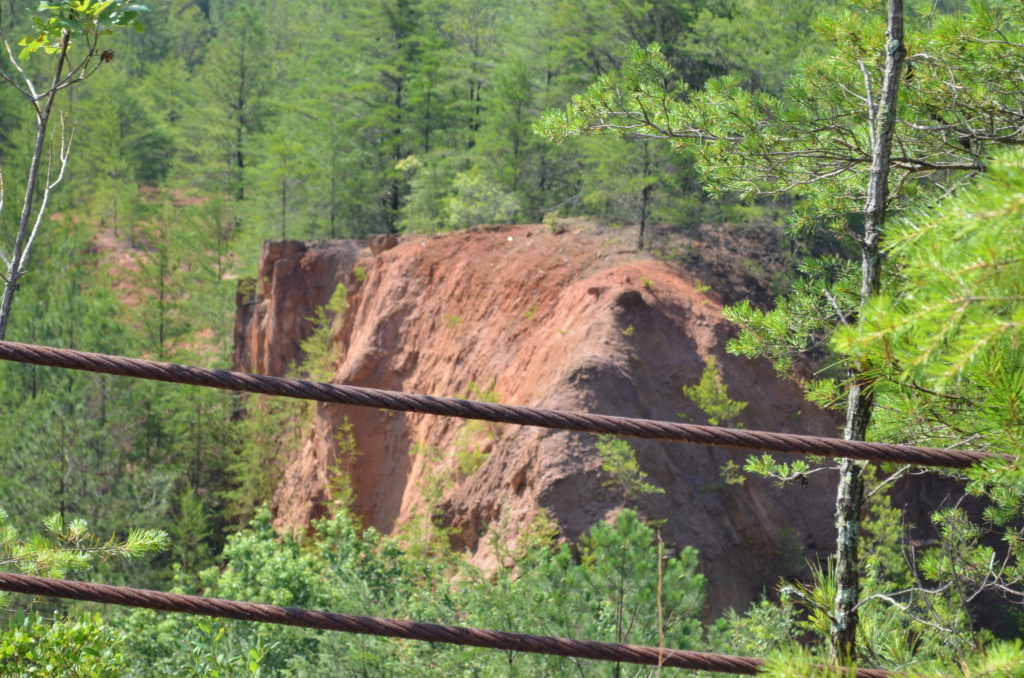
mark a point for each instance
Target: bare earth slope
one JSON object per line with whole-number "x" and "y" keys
{"x": 551, "y": 320}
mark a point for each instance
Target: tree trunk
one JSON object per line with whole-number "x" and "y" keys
{"x": 14, "y": 270}
{"x": 858, "y": 409}
{"x": 240, "y": 123}
{"x": 284, "y": 208}
{"x": 645, "y": 196}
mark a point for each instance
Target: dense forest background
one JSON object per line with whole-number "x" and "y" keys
{"x": 224, "y": 124}
{"x": 334, "y": 119}
{"x": 228, "y": 123}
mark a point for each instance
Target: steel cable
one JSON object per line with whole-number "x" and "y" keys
{"x": 392, "y": 628}
{"x": 470, "y": 409}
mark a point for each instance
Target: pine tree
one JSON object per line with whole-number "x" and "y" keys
{"x": 841, "y": 138}
{"x": 946, "y": 345}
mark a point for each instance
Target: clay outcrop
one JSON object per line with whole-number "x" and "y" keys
{"x": 531, "y": 316}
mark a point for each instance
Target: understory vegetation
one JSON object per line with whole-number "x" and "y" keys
{"x": 183, "y": 134}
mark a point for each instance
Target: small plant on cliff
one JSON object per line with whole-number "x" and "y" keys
{"x": 470, "y": 440}
{"x": 469, "y": 452}
{"x": 732, "y": 474}
{"x": 712, "y": 397}
{"x": 318, "y": 348}
{"x": 340, "y": 487}
{"x": 618, "y": 460}
{"x": 422, "y": 535}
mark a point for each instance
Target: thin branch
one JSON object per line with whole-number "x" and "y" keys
{"x": 835, "y": 305}
{"x": 28, "y": 81}
{"x": 917, "y": 165}
{"x": 802, "y": 476}
{"x": 70, "y": 79}
{"x": 16, "y": 86}
{"x": 3, "y": 256}
{"x": 920, "y": 590}
{"x": 899, "y": 473}
{"x": 64, "y": 154}
{"x": 905, "y": 609}
{"x": 996, "y": 42}
{"x": 872, "y": 106}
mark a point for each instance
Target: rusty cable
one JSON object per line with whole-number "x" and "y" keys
{"x": 392, "y": 628}
{"x": 471, "y": 409}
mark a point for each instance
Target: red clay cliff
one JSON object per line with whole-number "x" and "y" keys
{"x": 534, "y": 316}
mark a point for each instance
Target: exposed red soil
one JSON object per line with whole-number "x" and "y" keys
{"x": 565, "y": 320}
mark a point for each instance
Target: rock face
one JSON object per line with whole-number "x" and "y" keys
{"x": 557, "y": 320}
{"x": 273, "y": 314}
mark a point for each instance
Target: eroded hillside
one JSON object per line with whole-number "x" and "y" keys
{"x": 558, "y": 318}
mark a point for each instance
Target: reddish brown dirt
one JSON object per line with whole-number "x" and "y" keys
{"x": 563, "y": 320}
{"x": 274, "y": 315}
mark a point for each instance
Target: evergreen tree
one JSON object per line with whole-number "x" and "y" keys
{"x": 829, "y": 139}
{"x": 945, "y": 341}
{"x": 234, "y": 89}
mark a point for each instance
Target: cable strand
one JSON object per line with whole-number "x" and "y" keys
{"x": 392, "y": 628}
{"x": 470, "y": 409}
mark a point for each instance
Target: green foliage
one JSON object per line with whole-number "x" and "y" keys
{"x": 712, "y": 397}
{"x": 369, "y": 94}
{"x": 998, "y": 659}
{"x": 618, "y": 461}
{"x": 762, "y": 629}
{"x": 70, "y": 644}
{"x": 191, "y": 532}
{"x": 730, "y": 473}
{"x": 210, "y": 656}
{"x": 913, "y": 612}
{"x": 416, "y": 115}
{"x": 86, "y": 19}
{"x": 825, "y": 296}
{"x": 70, "y": 546}
{"x": 342, "y": 492}
{"x": 423, "y": 534}
{"x": 753, "y": 143}
{"x": 726, "y": 34}
{"x": 318, "y": 348}
{"x": 814, "y": 141}
{"x": 266, "y": 433}
{"x": 78, "y": 646}
{"x": 474, "y": 437}
{"x": 273, "y": 426}
{"x": 947, "y": 339}
{"x": 782, "y": 472}
{"x": 962, "y": 281}
{"x": 608, "y": 592}
{"x": 475, "y": 201}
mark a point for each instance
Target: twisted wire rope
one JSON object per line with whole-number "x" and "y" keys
{"x": 470, "y": 409}
{"x": 392, "y": 628}
{"x": 452, "y": 407}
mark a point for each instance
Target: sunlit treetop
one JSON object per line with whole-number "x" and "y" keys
{"x": 72, "y": 19}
